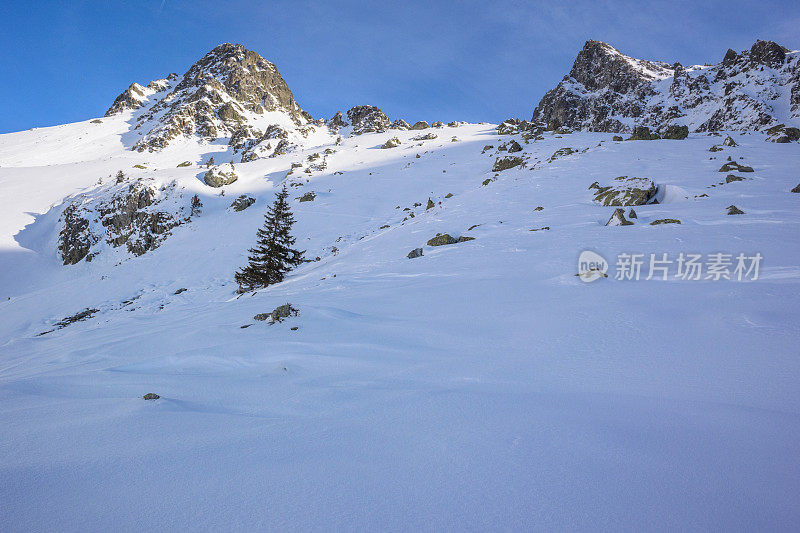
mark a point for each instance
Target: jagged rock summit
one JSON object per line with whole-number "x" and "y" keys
{"x": 231, "y": 92}
{"x": 235, "y": 94}
{"x": 609, "y": 91}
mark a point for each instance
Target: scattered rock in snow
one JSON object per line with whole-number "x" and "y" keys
{"x": 394, "y": 142}
{"x": 243, "y": 202}
{"x": 219, "y": 176}
{"x": 151, "y": 396}
{"x": 625, "y": 191}
{"x": 278, "y": 314}
{"x": 733, "y": 210}
{"x": 77, "y": 317}
{"x": 665, "y": 221}
{"x": 185, "y": 164}
{"x": 308, "y": 197}
{"x": 420, "y": 125}
{"x": 561, "y": 152}
{"x": 283, "y": 311}
{"x": 505, "y": 163}
{"x": 618, "y": 218}
{"x": 441, "y": 240}
{"x": 416, "y": 252}
{"x": 735, "y": 167}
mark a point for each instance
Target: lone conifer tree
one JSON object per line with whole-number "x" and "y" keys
{"x": 273, "y": 255}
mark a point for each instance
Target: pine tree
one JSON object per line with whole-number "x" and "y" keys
{"x": 196, "y": 206}
{"x": 273, "y": 255}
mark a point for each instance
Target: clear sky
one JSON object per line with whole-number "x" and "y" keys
{"x": 66, "y": 61}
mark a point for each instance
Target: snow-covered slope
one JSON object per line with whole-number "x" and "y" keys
{"x": 482, "y": 385}
{"x": 609, "y": 91}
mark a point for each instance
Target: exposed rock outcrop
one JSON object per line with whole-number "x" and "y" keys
{"x": 367, "y": 119}
{"x": 135, "y": 216}
{"x": 505, "y": 163}
{"x": 219, "y": 176}
{"x": 625, "y": 191}
{"x": 608, "y": 91}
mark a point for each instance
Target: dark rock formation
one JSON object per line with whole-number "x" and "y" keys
{"x": 608, "y": 91}
{"x": 625, "y": 191}
{"x": 242, "y": 202}
{"x": 367, "y": 119}
{"x": 123, "y": 215}
{"x": 441, "y": 240}
{"x": 505, "y": 163}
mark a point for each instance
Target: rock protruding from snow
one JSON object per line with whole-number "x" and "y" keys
{"x": 133, "y": 215}
{"x": 368, "y": 119}
{"x": 625, "y": 191}
{"x": 394, "y": 142}
{"x": 608, "y": 91}
{"x": 242, "y": 202}
{"x": 618, "y": 218}
{"x": 221, "y": 175}
{"x": 337, "y": 121}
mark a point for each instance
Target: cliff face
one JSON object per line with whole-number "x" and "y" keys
{"x": 608, "y": 91}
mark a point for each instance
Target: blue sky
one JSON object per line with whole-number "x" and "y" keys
{"x": 460, "y": 60}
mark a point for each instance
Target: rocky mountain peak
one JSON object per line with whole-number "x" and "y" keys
{"x": 230, "y": 92}
{"x": 607, "y": 90}
{"x": 600, "y": 65}
{"x": 768, "y": 53}
{"x": 243, "y": 75}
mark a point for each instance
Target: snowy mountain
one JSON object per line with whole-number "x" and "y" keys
{"x": 608, "y": 91}
{"x": 498, "y": 326}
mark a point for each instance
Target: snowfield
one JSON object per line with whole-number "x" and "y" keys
{"x": 482, "y": 386}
